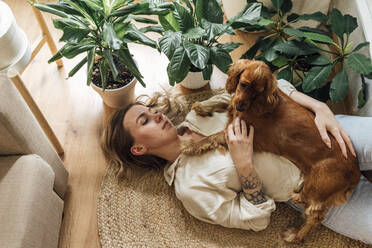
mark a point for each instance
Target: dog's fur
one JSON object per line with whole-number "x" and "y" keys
{"x": 285, "y": 128}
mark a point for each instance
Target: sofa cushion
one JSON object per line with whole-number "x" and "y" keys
{"x": 30, "y": 210}
{"x": 8, "y": 144}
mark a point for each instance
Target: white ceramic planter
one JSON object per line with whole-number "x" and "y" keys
{"x": 117, "y": 98}
{"x": 194, "y": 80}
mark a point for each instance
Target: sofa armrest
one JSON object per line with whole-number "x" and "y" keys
{"x": 25, "y": 133}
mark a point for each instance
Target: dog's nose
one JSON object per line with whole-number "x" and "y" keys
{"x": 240, "y": 108}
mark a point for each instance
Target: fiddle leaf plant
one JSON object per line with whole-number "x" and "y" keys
{"x": 191, "y": 33}
{"x": 299, "y": 52}
{"x": 103, "y": 29}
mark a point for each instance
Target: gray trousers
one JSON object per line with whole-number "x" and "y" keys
{"x": 354, "y": 218}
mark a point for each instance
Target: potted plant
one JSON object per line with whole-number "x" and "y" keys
{"x": 102, "y": 30}
{"x": 299, "y": 52}
{"x": 190, "y": 40}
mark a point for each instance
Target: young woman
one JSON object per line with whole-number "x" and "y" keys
{"x": 239, "y": 189}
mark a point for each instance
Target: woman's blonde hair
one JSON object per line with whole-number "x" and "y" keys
{"x": 117, "y": 140}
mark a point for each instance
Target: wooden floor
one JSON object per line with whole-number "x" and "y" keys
{"x": 76, "y": 113}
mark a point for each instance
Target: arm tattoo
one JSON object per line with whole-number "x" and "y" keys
{"x": 252, "y": 189}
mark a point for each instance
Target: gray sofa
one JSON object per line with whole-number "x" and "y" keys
{"x": 33, "y": 179}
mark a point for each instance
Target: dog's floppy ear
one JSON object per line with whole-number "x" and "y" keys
{"x": 234, "y": 73}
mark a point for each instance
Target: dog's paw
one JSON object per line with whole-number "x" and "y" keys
{"x": 291, "y": 236}
{"x": 200, "y": 110}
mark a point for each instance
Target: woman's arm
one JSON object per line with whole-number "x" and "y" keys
{"x": 241, "y": 149}
{"x": 325, "y": 121}
{"x": 324, "y": 118}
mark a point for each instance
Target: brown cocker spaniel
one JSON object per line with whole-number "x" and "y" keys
{"x": 287, "y": 129}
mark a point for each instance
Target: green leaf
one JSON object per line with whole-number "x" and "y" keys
{"x": 209, "y": 10}
{"x": 77, "y": 67}
{"x": 214, "y": 29}
{"x": 82, "y": 10}
{"x": 74, "y": 35}
{"x": 318, "y": 37}
{"x": 103, "y": 70}
{"x": 169, "y": 22}
{"x": 316, "y": 77}
{"x": 350, "y": 24}
{"x": 198, "y": 54}
{"x": 339, "y": 86}
{"x": 116, "y": 4}
{"x": 195, "y": 33}
{"x": 265, "y": 22}
{"x": 121, "y": 29}
{"x": 319, "y": 60}
{"x": 250, "y": 15}
{"x": 169, "y": 42}
{"x": 220, "y": 58}
{"x": 90, "y": 59}
{"x": 183, "y": 17}
{"x": 338, "y": 24}
{"x": 189, "y": 6}
{"x": 109, "y": 35}
{"x": 110, "y": 61}
{"x": 95, "y": 5}
{"x": 133, "y": 9}
{"x": 361, "y": 97}
{"x": 137, "y": 36}
{"x": 270, "y": 53}
{"x": 277, "y": 4}
{"x": 50, "y": 9}
{"x": 293, "y": 32}
{"x": 207, "y": 72}
{"x": 179, "y": 65}
{"x": 71, "y": 50}
{"x": 285, "y": 74}
{"x": 57, "y": 56}
{"x": 144, "y": 20}
{"x": 317, "y": 16}
{"x": 62, "y": 23}
{"x": 360, "y": 63}
{"x": 126, "y": 58}
{"x": 63, "y": 8}
{"x": 360, "y": 46}
{"x": 156, "y": 29}
{"x": 229, "y": 47}
{"x": 280, "y": 61}
{"x": 295, "y": 48}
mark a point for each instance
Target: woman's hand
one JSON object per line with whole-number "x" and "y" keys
{"x": 326, "y": 122}
{"x": 240, "y": 144}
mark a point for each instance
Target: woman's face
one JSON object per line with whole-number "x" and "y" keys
{"x": 150, "y": 129}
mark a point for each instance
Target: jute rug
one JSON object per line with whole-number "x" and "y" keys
{"x": 143, "y": 211}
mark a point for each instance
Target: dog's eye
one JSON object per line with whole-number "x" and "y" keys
{"x": 243, "y": 84}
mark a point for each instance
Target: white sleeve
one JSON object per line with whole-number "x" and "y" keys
{"x": 220, "y": 98}
{"x": 223, "y": 206}
{"x": 286, "y": 87}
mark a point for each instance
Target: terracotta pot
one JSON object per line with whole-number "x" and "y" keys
{"x": 194, "y": 80}
{"x": 117, "y": 98}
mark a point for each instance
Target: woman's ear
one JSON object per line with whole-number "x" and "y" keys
{"x": 234, "y": 73}
{"x": 138, "y": 149}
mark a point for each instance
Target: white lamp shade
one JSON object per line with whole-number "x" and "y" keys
{"x": 14, "y": 46}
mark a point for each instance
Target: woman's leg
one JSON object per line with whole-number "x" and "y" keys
{"x": 360, "y": 132}
{"x": 354, "y": 218}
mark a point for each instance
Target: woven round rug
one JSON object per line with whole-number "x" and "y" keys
{"x": 143, "y": 211}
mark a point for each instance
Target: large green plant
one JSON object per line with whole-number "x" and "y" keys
{"x": 103, "y": 28}
{"x": 299, "y": 51}
{"x": 191, "y": 37}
